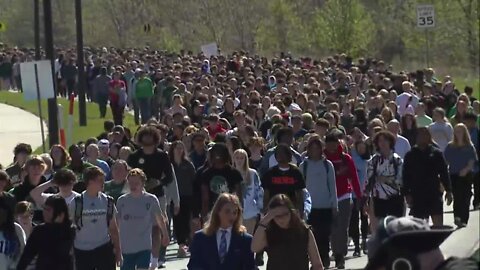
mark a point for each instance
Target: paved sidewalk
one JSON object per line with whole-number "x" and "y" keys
{"x": 17, "y": 125}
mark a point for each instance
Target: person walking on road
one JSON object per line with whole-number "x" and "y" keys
{"x": 51, "y": 242}
{"x": 461, "y": 157}
{"x": 384, "y": 180}
{"x": 185, "y": 172}
{"x": 319, "y": 175}
{"x": 97, "y": 241}
{"x": 421, "y": 187}
{"x": 346, "y": 179}
{"x": 101, "y": 90}
{"x": 289, "y": 242}
{"x": 361, "y": 156}
{"x": 117, "y": 97}
{"x": 143, "y": 96}
{"x": 224, "y": 243}
{"x": 138, "y": 210}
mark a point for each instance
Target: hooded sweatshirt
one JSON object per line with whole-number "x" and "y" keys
{"x": 345, "y": 174}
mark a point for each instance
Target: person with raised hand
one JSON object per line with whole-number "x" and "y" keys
{"x": 289, "y": 242}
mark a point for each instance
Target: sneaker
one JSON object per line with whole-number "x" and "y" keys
{"x": 340, "y": 262}
{"x": 182, "y": 252}
{"x": 326, "y": 262}
{"x": 364, "y": 247}
{"x": 259, "y": 261}
{"x": 161, "y": 265}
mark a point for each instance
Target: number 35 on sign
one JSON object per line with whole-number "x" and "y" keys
{"x": 425, "y": 16}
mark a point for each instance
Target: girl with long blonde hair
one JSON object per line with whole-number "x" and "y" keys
{"x": 461, "y": 157}
{"x": 225, "y": 231}
{"x": 251, "y": 189}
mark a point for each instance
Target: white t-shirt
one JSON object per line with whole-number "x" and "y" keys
{"x": 442, "y": 134}
{"x": 402, "y": 146}
{"x": 6, "y": 262}
{"x": 68, "y": 200}
{"x": 403, "y": 102}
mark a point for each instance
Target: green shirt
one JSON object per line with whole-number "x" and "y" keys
{"x": 423, "y": 121}
{"x": 79, "y": 185}
{"x": 168, "y": 94}
{"x": 144, "y": 88}
{"x": 113, "y": 189}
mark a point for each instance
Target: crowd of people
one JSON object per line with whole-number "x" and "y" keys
{"x": 292, "y": 157}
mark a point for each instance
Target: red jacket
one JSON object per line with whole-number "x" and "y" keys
{"x": 345, "y": 173}
{"x": 214, "y": 131}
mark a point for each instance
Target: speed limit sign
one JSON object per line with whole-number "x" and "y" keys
{"x": 425, "y": 16}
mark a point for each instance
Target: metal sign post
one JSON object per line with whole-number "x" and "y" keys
{"x": 39, "y": 100}
{"x": 426, "y": 20}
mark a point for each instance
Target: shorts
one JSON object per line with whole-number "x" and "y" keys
{"x": 136, "y": 260}
{"x": 425, "y": 207}
{"x": 394, "y": 206}
{"x": 101, "y": 258}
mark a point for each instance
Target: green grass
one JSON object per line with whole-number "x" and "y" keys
{"x": 461, "y": 82}
{"x": 94, "y": 122}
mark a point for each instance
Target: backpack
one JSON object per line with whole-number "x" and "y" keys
{"x": 327, "y": 169}
{"x": 79, "y": 209}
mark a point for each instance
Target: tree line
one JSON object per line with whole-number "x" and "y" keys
{"x": 370, "y": 28}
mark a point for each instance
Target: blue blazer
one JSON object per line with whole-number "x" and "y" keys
{"x": 204, "y": 253}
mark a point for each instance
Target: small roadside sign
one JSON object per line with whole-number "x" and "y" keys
{"x": 425, "y": 16}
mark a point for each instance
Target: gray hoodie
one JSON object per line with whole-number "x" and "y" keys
{"x": 320, "y": 182}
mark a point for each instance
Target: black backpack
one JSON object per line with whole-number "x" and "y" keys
{"x": 79, "y": 209}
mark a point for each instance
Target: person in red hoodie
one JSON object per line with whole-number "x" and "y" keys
{"x": 346, "y": 181}
{"x": 118, "y": 97}
{"x": 214, "y": 127}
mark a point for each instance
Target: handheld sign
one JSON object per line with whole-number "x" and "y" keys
{"x": 210, "y": 49}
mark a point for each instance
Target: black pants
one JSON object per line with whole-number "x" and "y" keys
{"x": 117, "y": 112}
{"x": 462, "y": 192}
{"x": 181, "y": 222}
{"x": 321, "y": 221}
{"x": 100, "y": 258}
{"x": 353, "y": 231}
{"x": 71, "y": 86}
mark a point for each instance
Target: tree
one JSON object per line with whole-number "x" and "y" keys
{"x": 343, "y": 26}
{"x": 282, "y": 30}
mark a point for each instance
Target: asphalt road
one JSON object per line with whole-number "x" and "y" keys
{"x": 461, "y": 242}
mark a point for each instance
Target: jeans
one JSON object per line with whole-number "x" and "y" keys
{"x": 144, "y": 105}
{"x": 462, "y": 192}
{"x": 321, "y": 221}
{"x": 341, "y": 223}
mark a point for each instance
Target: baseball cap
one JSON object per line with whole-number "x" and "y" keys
{"x": 103, "y": 143}
{"x": 406, "y": 233}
